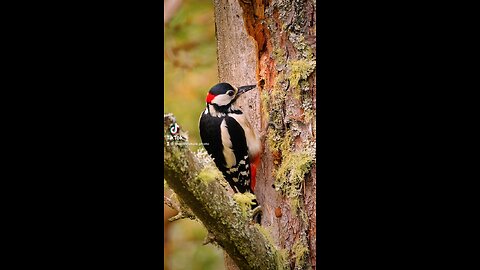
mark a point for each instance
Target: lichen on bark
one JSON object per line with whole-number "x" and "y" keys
{"x": 284, "y": 34}
{"x": 214, "y": 207}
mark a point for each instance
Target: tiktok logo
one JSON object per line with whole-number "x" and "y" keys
{"x": 174, "y": 128}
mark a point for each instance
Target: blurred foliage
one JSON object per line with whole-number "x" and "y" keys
{"x": 190, "y": 63}
{"x": 190, "y": 66}
{"x": 187, "y": 251}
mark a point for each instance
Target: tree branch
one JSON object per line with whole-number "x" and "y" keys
{"x": 220, "y": 214}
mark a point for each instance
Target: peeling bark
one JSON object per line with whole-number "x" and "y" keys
{"x": 272, "y": 43}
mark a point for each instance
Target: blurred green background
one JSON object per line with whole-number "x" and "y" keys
{"x": 190, "y": 66}
{"x": 190, "y": 62}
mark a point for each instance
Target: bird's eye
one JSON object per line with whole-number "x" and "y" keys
{"x": 230, "y": 92}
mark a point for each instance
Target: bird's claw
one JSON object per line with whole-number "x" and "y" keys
{"x": 257, "y": 214}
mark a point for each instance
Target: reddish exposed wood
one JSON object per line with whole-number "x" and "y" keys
{"x": 271, "y": 37}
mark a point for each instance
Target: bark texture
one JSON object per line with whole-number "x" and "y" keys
{"x": 272, "y": 43}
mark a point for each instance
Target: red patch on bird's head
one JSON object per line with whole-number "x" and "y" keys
{"x": 210, "y": 97}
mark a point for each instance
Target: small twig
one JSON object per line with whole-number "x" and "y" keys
{"x": 181, "y": 215}
{"x": 183, "y": 212}
{"x": 171, "y": 204}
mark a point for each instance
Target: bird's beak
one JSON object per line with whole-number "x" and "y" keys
{"x": 243, "y": 89}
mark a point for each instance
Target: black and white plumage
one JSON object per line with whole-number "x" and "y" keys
{"x": 228, "y": 137}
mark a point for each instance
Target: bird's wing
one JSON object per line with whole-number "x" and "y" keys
{"x": 239, "y": 174}
{"x": 211, "y": 138}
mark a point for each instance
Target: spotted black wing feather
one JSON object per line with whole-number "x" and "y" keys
{"x": 239, "y": 175}
{"x": 241, "y": 170}
{"x": 211, "y": 138}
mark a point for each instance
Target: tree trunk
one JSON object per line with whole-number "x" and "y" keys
{"x": 272, "y": 43}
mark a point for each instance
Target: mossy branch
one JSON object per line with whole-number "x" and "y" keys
{"x": 216, "y": 209}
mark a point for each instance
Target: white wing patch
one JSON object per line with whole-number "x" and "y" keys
{"x": 227, "y": 146}
{"x": 253, "y": 142}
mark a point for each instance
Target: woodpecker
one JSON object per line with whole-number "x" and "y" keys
{"x": 229, "y": 138}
